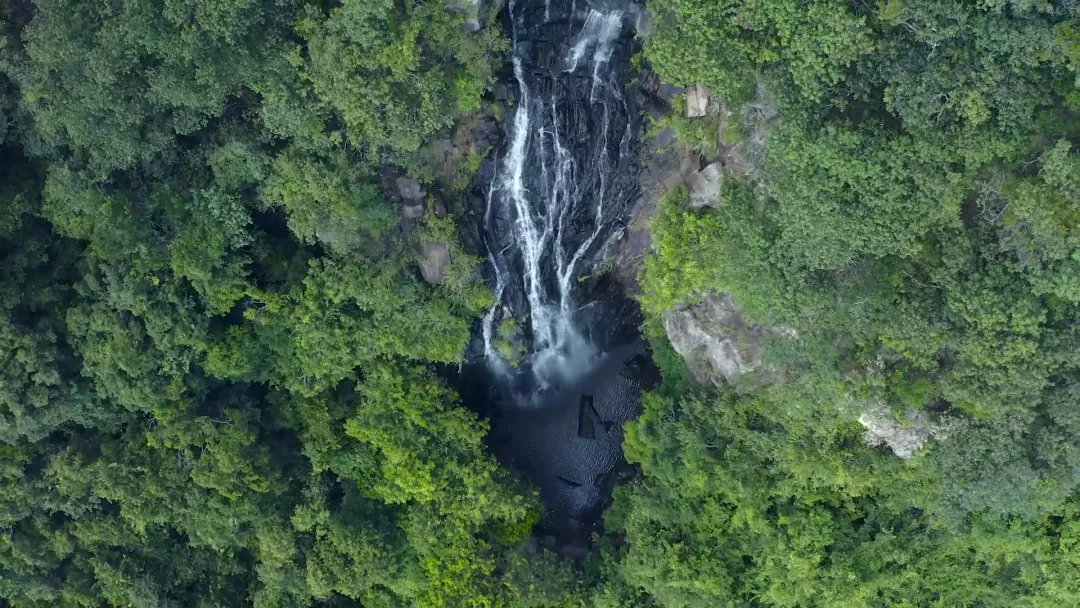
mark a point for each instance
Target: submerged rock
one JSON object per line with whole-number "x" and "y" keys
{"x": 713, "y": 339}
{"x": 569, "y": 483}
{"x": 586, "y": 424}
{"x": 704, "y": 186}
{"x": 434, "y": 257}
{"x": 904, "y": 435}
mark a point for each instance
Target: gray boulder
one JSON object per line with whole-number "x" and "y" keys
{"x": 410, "y": 189}
{"x": 713, "y": 339}
{"x": 697, "y": 101}
{"x": 413, "y": 193}
{"x": 413, "y": 209}
{"x": 642, "y": 20}
{"x": 434, "y": 257}
{"x": 704, "y": 186}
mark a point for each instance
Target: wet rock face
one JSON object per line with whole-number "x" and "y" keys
{"x": 562, "y": 180}
{"x": 664, "y": 167}
{"x": 713, "y": 339}
{"x": 558, "y": 182}
{"x": 642, "y": 20}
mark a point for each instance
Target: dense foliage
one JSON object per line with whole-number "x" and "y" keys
{"x": 218, "y": 362}
{"x": 215, "y": 385}
{"x": 914, "y": 226}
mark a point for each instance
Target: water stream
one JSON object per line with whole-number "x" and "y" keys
{"x": 560, "y": 183}
{"x": 564, "y": 179}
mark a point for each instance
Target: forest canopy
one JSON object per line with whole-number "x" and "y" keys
{"x": 220, "y": 371}
{"x": 905, "y": 214}
{"x": 217, "y": 385}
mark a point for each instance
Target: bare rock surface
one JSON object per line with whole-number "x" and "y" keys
{"x": 412, "y": 194}
{"x": 704, "y": 186}
{"x": 409, "y": 189}
{"x": 666, "y": 167}
{"x": 642, "y": 20}
{"x": 434, "y": 257}
{"x": 713, "y": 339}
{"x": 697, "y": 101}
{"x": 904, "y": 435}
{"x": 413, "y": 209}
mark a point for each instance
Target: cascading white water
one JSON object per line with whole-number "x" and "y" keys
{"x": 553, "y": 212}
{"x": 490, "y": 353}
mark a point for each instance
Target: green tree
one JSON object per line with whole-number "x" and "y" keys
{"x": 395, "y": 73}
{"x": 116, "y": 85}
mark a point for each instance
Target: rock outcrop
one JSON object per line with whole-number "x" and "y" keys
{"x": 669, "y": 164}
{"x": 713, "y": 339}
{"x": 412, "y": 210}
{"x": 409, "y": 189}
{"x": 470, "y": 9}
{"x": 434, "y": 257}
{"x": 697, "y": 101}
{"x": 704, "y": 186}
{"x": 642, "y": 20}
{"x": 666, "y": 167}
{"x": 903, "y": 435}
{"x": 745, "y": 159}
{"x": 412, "y": 194}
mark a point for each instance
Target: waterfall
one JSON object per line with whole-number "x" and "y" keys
{"x": 490, "y": 354}
{"x": 560, "y": 183}
{"x": 599, "y": 32}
